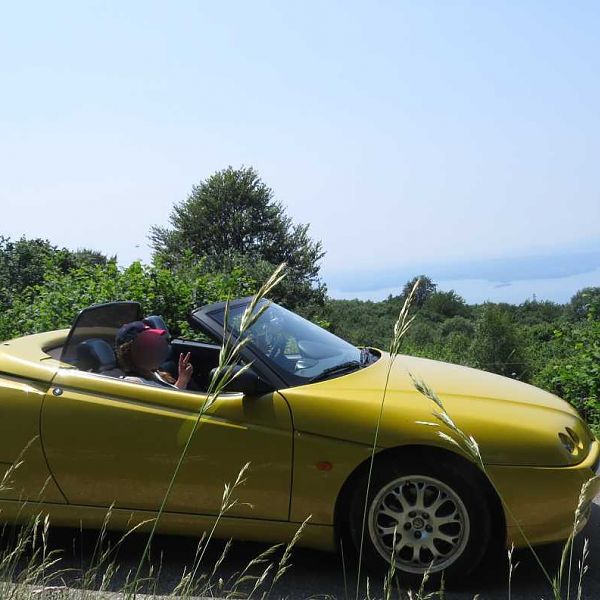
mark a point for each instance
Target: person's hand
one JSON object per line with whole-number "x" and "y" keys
{"x": 185, "y": 369}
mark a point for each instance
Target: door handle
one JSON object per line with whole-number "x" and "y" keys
{"x": 57, "y": 391}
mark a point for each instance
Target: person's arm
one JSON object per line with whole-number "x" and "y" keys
{"x": 143, "y": 381}
{"x": 133, "y": 379}
{"x": 185, "y": 370}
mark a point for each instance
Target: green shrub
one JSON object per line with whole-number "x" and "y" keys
{"x": 573, "y": 372}
{"x": 497, "y": 344}
{"x": 54, "y": 303}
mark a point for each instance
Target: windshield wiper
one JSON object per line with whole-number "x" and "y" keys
{"x": 345, "y": 366}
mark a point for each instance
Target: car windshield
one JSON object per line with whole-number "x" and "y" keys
{"x": 297, "y": 346}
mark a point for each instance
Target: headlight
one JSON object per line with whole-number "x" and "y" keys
{"x": 567, "y": 442}
{"x": 571, "y": 442}
{"x": 576, "y": 439}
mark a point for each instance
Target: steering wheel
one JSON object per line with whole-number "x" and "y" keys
{"x": 277, "y": 348}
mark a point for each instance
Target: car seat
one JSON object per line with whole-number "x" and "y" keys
{"x": 97, "y": 355}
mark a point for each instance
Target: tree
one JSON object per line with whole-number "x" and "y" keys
{"x": 534, "y": 312}
{"x": 426, "y": 288}
{"x": 573, "y": 371}
{"x": 446, "y": 305}
{"x": 232, "y": 218}
{"x": 497, "y": 345}
{"x": 53, "y": 303}
{"x": 24, "y": 263}
{"x": 582, "y": 301}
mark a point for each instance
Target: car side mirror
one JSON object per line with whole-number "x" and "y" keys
{"x": 247, "y": 382}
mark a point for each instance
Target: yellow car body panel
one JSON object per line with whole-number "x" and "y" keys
{"x": 115, "y": 442}
{"x": 532, "y": 417}
{"x": 25, "y": 375}
{"x": 91, "y": 441}
{"x": 542, "y": 500}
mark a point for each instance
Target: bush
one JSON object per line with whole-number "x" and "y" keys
{"x": 497, "y": 345}
{"x": 54, "y": 303}
{"x": 24, "y": 263}
{"x": 573, "y": 372}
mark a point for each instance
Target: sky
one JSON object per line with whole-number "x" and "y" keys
{"x": 456, "y": 139}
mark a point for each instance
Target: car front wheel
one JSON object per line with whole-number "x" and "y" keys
{"x": 427, "y": 516}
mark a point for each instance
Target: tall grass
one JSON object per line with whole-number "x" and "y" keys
{"x": 401, "y": 326}
{"x": 30, "y": 569}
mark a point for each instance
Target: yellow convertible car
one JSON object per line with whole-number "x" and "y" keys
{"x": 76, "y": 439}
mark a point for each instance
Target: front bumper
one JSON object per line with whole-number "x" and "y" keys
{"x": 540, "y": 502}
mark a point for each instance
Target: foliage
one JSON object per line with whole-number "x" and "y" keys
{"x": 573, "y": 372}
{"x": 424, "y": 290}
{"x": 583, "y": 301}
{"x": 443, "y": 327}
{"x": 54, "y": 303}
{"x": 497, "y": 345}
{"x": 231, "y": 219}
{"x": 24, "y": 263}
{"x": 446, "y": 305}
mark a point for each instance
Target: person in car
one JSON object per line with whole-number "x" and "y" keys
{"x": 140, "y": 351}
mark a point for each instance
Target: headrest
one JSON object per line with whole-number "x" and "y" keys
{"x": 95, "y": 355}
{"x": 156, "y": 322}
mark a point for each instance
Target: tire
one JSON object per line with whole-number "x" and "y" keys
{"x": 437, "y": 511}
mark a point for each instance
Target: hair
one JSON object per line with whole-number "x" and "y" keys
{"x": 126, "y": 363}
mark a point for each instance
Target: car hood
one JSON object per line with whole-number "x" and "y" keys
{"x": 450, "y": 380}
{"x": 513, "y": 422}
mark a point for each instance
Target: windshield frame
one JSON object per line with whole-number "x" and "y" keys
{"x": 202, "y": 319}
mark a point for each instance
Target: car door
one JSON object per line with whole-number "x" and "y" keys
{"x": 110, "y": 441}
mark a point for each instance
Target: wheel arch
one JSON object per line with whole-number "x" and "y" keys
{"x": 419, "y": 452}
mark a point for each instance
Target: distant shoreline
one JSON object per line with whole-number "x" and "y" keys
{"x": 476, "y": 291}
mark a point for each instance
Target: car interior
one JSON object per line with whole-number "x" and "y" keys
{"x": 97, "y": 355}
